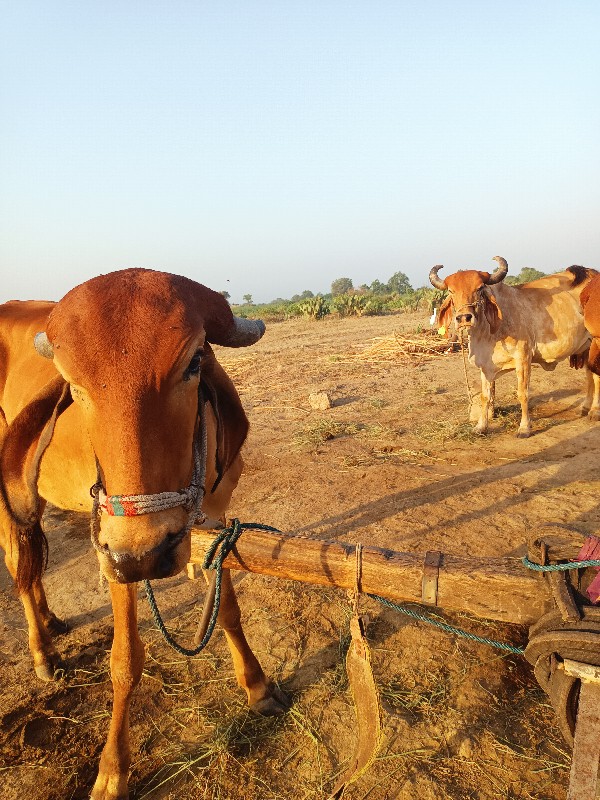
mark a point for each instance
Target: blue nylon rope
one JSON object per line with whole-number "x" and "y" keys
{"x": 224, "y": 543}
{"x": 509, "y": 648}
{"x": 591, "y": 562}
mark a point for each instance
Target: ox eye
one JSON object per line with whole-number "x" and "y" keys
{"x": 193, "y": 368}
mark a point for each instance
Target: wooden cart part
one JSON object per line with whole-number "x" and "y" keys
{"x": 494, "y": 588}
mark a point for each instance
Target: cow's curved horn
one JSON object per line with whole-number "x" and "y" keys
{"x": 244, "y": 332}
{"x": 500, "y": 272}
{"x": 43, "y": 346}
{"x": 433, "y": 277}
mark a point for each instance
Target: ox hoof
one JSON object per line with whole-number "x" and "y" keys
{"x": 593, "y": 416}
{"x": 55, "y": 625}
{"x": 51, "y": 670}
{"x": 523, "y": 434}
{"x": 110, "y": 788}
{"x": 273, "y": 705}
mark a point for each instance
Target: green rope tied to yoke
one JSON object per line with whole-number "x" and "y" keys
{"x": 591, "y": 562}
{"x": 224, "y": 543}
{"x": 509, "y": 648}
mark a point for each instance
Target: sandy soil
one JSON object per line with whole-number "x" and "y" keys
{"x": 393, "y": 463}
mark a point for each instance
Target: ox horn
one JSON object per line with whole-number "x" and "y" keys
{"x": 433, "y": 277}
{"x": 244, "y": 332}
{"x": 43, "y": 346}
{"x": 500, "y": 272}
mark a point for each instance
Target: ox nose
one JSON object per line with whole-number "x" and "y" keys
{"x": 464, "y": 319}
{"x": 162, "y": 561}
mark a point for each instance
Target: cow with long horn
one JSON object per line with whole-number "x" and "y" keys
{"x": 513, "y": 327}
{"x": 129, "y": 399}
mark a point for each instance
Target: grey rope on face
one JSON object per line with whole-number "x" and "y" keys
{"x": 149, "y": 503}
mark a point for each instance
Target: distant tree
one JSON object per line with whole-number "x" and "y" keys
{"x": 225, "y": 294}
{"x": 248, "y": 299}
{"x": 377, "y": 287}
{"x": 399, "y": 284}
{"x": 305, "y": 295}
{"x": 527, "y": 274}
{"x": 341, "y": 286}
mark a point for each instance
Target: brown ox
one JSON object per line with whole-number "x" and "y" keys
{"x": 513, "y": 327}
{"x": 590, "y": 302}
{"x": 128, "y": 367}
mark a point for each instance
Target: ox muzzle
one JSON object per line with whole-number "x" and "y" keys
{"x": 162, "y": 561}
{"x": 467, "y": 315}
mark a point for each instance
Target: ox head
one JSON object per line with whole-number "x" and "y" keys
{"x": 469, "y": 300}
{"x": 132, "y": 346}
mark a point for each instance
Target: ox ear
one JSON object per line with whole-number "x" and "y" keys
{"x": 492, "y": 311}
{"x": 26, "y": 440}
{"x": 445, "y": 314}
{"x": 232, "y": 422}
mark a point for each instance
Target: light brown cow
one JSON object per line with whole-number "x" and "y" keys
{"x": 513, "y": 327}
{"x": 590, "y": 302}
{"x": 128, "y": 368}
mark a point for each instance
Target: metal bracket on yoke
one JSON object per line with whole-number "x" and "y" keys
{"x": 583, "y": 781}
{"x": 431, "y": 573}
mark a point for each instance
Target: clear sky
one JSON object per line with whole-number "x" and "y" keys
{"x": 268, "y": 147}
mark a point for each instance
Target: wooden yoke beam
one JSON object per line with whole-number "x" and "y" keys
{"x": 494, "y": 588}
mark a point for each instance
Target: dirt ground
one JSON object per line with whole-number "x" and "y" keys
{"x": 393, "y": 463}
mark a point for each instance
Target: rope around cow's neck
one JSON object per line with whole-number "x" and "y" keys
{"x": 470, "y": 395}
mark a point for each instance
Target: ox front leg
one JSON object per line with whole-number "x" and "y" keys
{"x": 41, "y": 622}
{"x": 126, "y": 663}
{"x": 263, "y": 696}
{"x": 523, "y": 370}
{"x": 488, "y": 391}
{"x": 591, "y": 406}
{"x": 51, "y": 622}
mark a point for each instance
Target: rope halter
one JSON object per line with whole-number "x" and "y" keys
{"x": 476, "y": 307}
{"x": 133, "y": 505}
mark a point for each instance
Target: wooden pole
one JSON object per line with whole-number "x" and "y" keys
{"x": 494, "y": 588}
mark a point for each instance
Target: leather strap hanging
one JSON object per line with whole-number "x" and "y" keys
{"x": 364, "y": 693}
